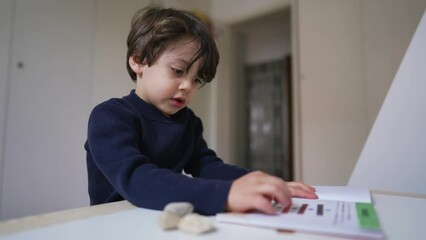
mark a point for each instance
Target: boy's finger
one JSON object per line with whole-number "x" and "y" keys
{"x": 300, "y": 192}
{"x": 264, "y": 205}
{"x": 282, "y": 195}
{"x": 276, "y": 190}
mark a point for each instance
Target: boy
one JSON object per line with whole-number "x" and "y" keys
{"x": 138, "y": 145}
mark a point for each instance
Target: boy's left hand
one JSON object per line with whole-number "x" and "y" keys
{"x": 298, "y": 189}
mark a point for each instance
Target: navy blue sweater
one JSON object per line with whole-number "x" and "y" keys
{"x": 136, "y": 153}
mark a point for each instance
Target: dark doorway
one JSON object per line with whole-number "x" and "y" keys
{"x": 268, "y": 124}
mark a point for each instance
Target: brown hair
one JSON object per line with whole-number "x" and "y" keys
{"x": 152, "y": 29}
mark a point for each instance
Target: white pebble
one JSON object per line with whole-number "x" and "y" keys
{"x": 168, "y": 220}
{"x": 195, "y": 224}
{"x": 179, "y": 208}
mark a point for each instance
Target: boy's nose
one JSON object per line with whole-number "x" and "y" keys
{"x": 185, "y": 84}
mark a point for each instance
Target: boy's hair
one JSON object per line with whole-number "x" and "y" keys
{"x": 153, "y": 29}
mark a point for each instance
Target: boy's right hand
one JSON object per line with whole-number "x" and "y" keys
{"x": 256, "y": 190}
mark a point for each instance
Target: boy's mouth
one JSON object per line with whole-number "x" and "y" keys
{"x": 178, "y": 101}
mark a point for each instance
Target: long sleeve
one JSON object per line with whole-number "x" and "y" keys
{"x": 205, "y": 163}
{"x": 141, "y": 159}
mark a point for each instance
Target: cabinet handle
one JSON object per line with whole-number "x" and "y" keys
{"x": 20, "y": 65}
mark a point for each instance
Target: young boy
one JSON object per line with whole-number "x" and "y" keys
{"x": 138, "y": 145}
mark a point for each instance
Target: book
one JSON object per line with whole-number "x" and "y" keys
{"x": 339, "y": 211}
{"x": 343, "y": 193}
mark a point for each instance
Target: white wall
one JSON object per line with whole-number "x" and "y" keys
{"x": 112, "y": 24}
{"x": 267, "y": 37}
{"x": 235, "y": 11}
{"x": 395, "y": 147}
{"x": 349, "y": 52}
{"x": 47, "y": 107}
{"x": 332, "y": 93}
{"x": 388, "y": 26}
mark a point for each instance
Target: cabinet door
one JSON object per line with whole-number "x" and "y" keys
{"x": 48, "y": 107}
{"x": 5, "y": 30}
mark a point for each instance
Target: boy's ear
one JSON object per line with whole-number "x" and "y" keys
{"x": 136, "y": 67}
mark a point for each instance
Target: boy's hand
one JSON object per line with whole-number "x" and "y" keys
{"x": 256, "y": 190}
{"x": 298, "y": 189}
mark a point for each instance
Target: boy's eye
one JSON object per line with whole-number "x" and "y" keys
{"x": 199, "y": 82}
{"x": 177, "y": 71}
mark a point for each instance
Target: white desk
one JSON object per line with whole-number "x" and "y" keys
{"x": 401, "y": 218}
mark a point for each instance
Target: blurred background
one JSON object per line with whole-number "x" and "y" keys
{"x": 298, "y": 87}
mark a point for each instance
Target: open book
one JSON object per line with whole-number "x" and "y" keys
{"x": 339, "y": 211}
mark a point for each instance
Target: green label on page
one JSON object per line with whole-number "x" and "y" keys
{"x": 367, "y": 216}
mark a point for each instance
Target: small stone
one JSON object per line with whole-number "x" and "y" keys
{"x": 168, "y": 220}
{"x": 195, "y": 224}
{"x": 179, "y": 208}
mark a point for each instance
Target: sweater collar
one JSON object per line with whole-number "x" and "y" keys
{"x": 151, "y": 112}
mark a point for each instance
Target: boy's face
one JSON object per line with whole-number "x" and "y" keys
{"x": 166, "y": 84}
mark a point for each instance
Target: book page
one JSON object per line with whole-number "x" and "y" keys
{"x": 349, "y": 219}
{"x": 343, "y": 193}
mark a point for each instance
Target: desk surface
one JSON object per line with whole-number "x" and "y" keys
{"x": 401, "y": 218}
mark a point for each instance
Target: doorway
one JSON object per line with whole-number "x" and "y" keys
{"x": 263, "y": 59}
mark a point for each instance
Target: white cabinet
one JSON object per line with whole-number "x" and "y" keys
{"x": 58, "y": 58}
{"x": 45, "y": 115}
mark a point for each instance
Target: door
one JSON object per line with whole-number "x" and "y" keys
{"x": 269, "y": 117}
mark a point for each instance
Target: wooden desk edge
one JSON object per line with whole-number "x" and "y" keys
{"x": 398, "y": 194}
{"x": 42, "y": 220}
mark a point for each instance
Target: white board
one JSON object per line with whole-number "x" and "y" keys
{"x": 394, "y": 155}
